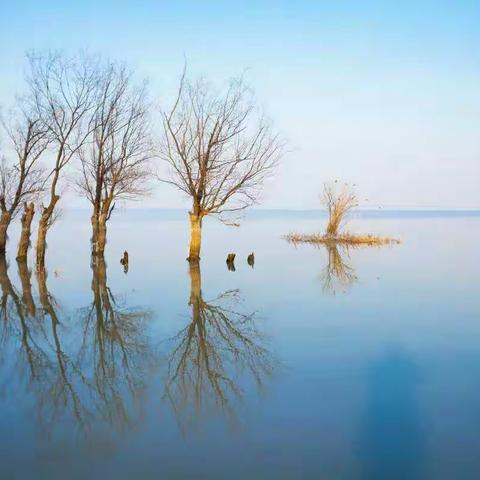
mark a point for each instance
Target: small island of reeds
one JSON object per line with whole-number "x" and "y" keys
{"x": 339, "y": 201}
{"x": 349, "y": 239}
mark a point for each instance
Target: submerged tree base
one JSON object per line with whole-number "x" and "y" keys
{"x": 342, "y": 239}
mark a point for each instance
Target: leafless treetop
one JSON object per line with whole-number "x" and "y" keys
{"x": 114, "y": 161}
{"x": 21, "y": 179}
{"x": 218, "y": 147}
{"x": 62, "y": 91}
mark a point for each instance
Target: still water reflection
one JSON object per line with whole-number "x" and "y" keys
{"x": 316, "y": 363}
{"x": 208, "y": 354}
{"x": 337, "y": 275}
{"x": 81, "y": 369}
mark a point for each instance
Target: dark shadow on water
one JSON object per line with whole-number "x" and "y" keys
{"x": 392, "y": 440}
{"x": 208, "y": 356}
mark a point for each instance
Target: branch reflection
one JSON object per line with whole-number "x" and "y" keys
{"x": 78, "y": 370}
{"x": 19, "y": 330}
{"x": 210, "y": 353}
{"x": 337, "y": 273}
{"x": 116, "y": 348}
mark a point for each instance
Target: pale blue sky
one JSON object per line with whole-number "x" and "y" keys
{"x": 382, "y": 94}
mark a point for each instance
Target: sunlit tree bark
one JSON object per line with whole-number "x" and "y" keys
{"x": 25, "y": 234}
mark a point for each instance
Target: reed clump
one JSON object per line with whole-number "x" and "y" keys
{"x": 340, "y": 239}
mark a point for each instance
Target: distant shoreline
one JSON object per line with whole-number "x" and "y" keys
{"x": 307, "y": 213}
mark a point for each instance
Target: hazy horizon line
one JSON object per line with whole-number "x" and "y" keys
{"x": 293, "y": 209}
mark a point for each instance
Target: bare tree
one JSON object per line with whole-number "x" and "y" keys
{"x": 115, "y": 161}
{"x": 62, "y": 92}
{"x": 21, "y": 179}
{"x": 340, "y": 201}
{"x": 219, "y": 150}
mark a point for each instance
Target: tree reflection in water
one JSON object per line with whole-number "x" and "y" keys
{"x": 61, "y": 393}
{"x": 210, "y": 353}
{"x": 20, "y": 331}
{"x": 84, "y": 369}
{"x": 116, "y": 347}
{"x": 337, "y": 273}
{"x": 90, "y": 368}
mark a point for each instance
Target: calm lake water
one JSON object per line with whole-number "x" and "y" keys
{"x": 313, "y": 364}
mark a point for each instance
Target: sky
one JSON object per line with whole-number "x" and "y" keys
{"x": 383, "y": 94}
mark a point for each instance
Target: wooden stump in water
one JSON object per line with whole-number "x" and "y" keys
{"x": 231, "y": 262}
{"x": 124, "y": 261}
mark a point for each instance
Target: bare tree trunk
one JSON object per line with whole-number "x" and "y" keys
{"x": 99, "y": 234}
{"x": 102, "y": 236}
{"x": 24, "y": 243}
{"x": 5, "y": 219}
{"x": 43, "y": 226}
{"x": 196, "y": 237}
{"x": 41, "y": 242}
{"x": 27, "y": 296}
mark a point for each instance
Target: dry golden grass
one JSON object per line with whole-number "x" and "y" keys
{"x": 340, "y": 201}
{"x": 340, "y": 239}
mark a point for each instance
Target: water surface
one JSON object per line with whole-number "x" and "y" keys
{"x": 315, "y": 363}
